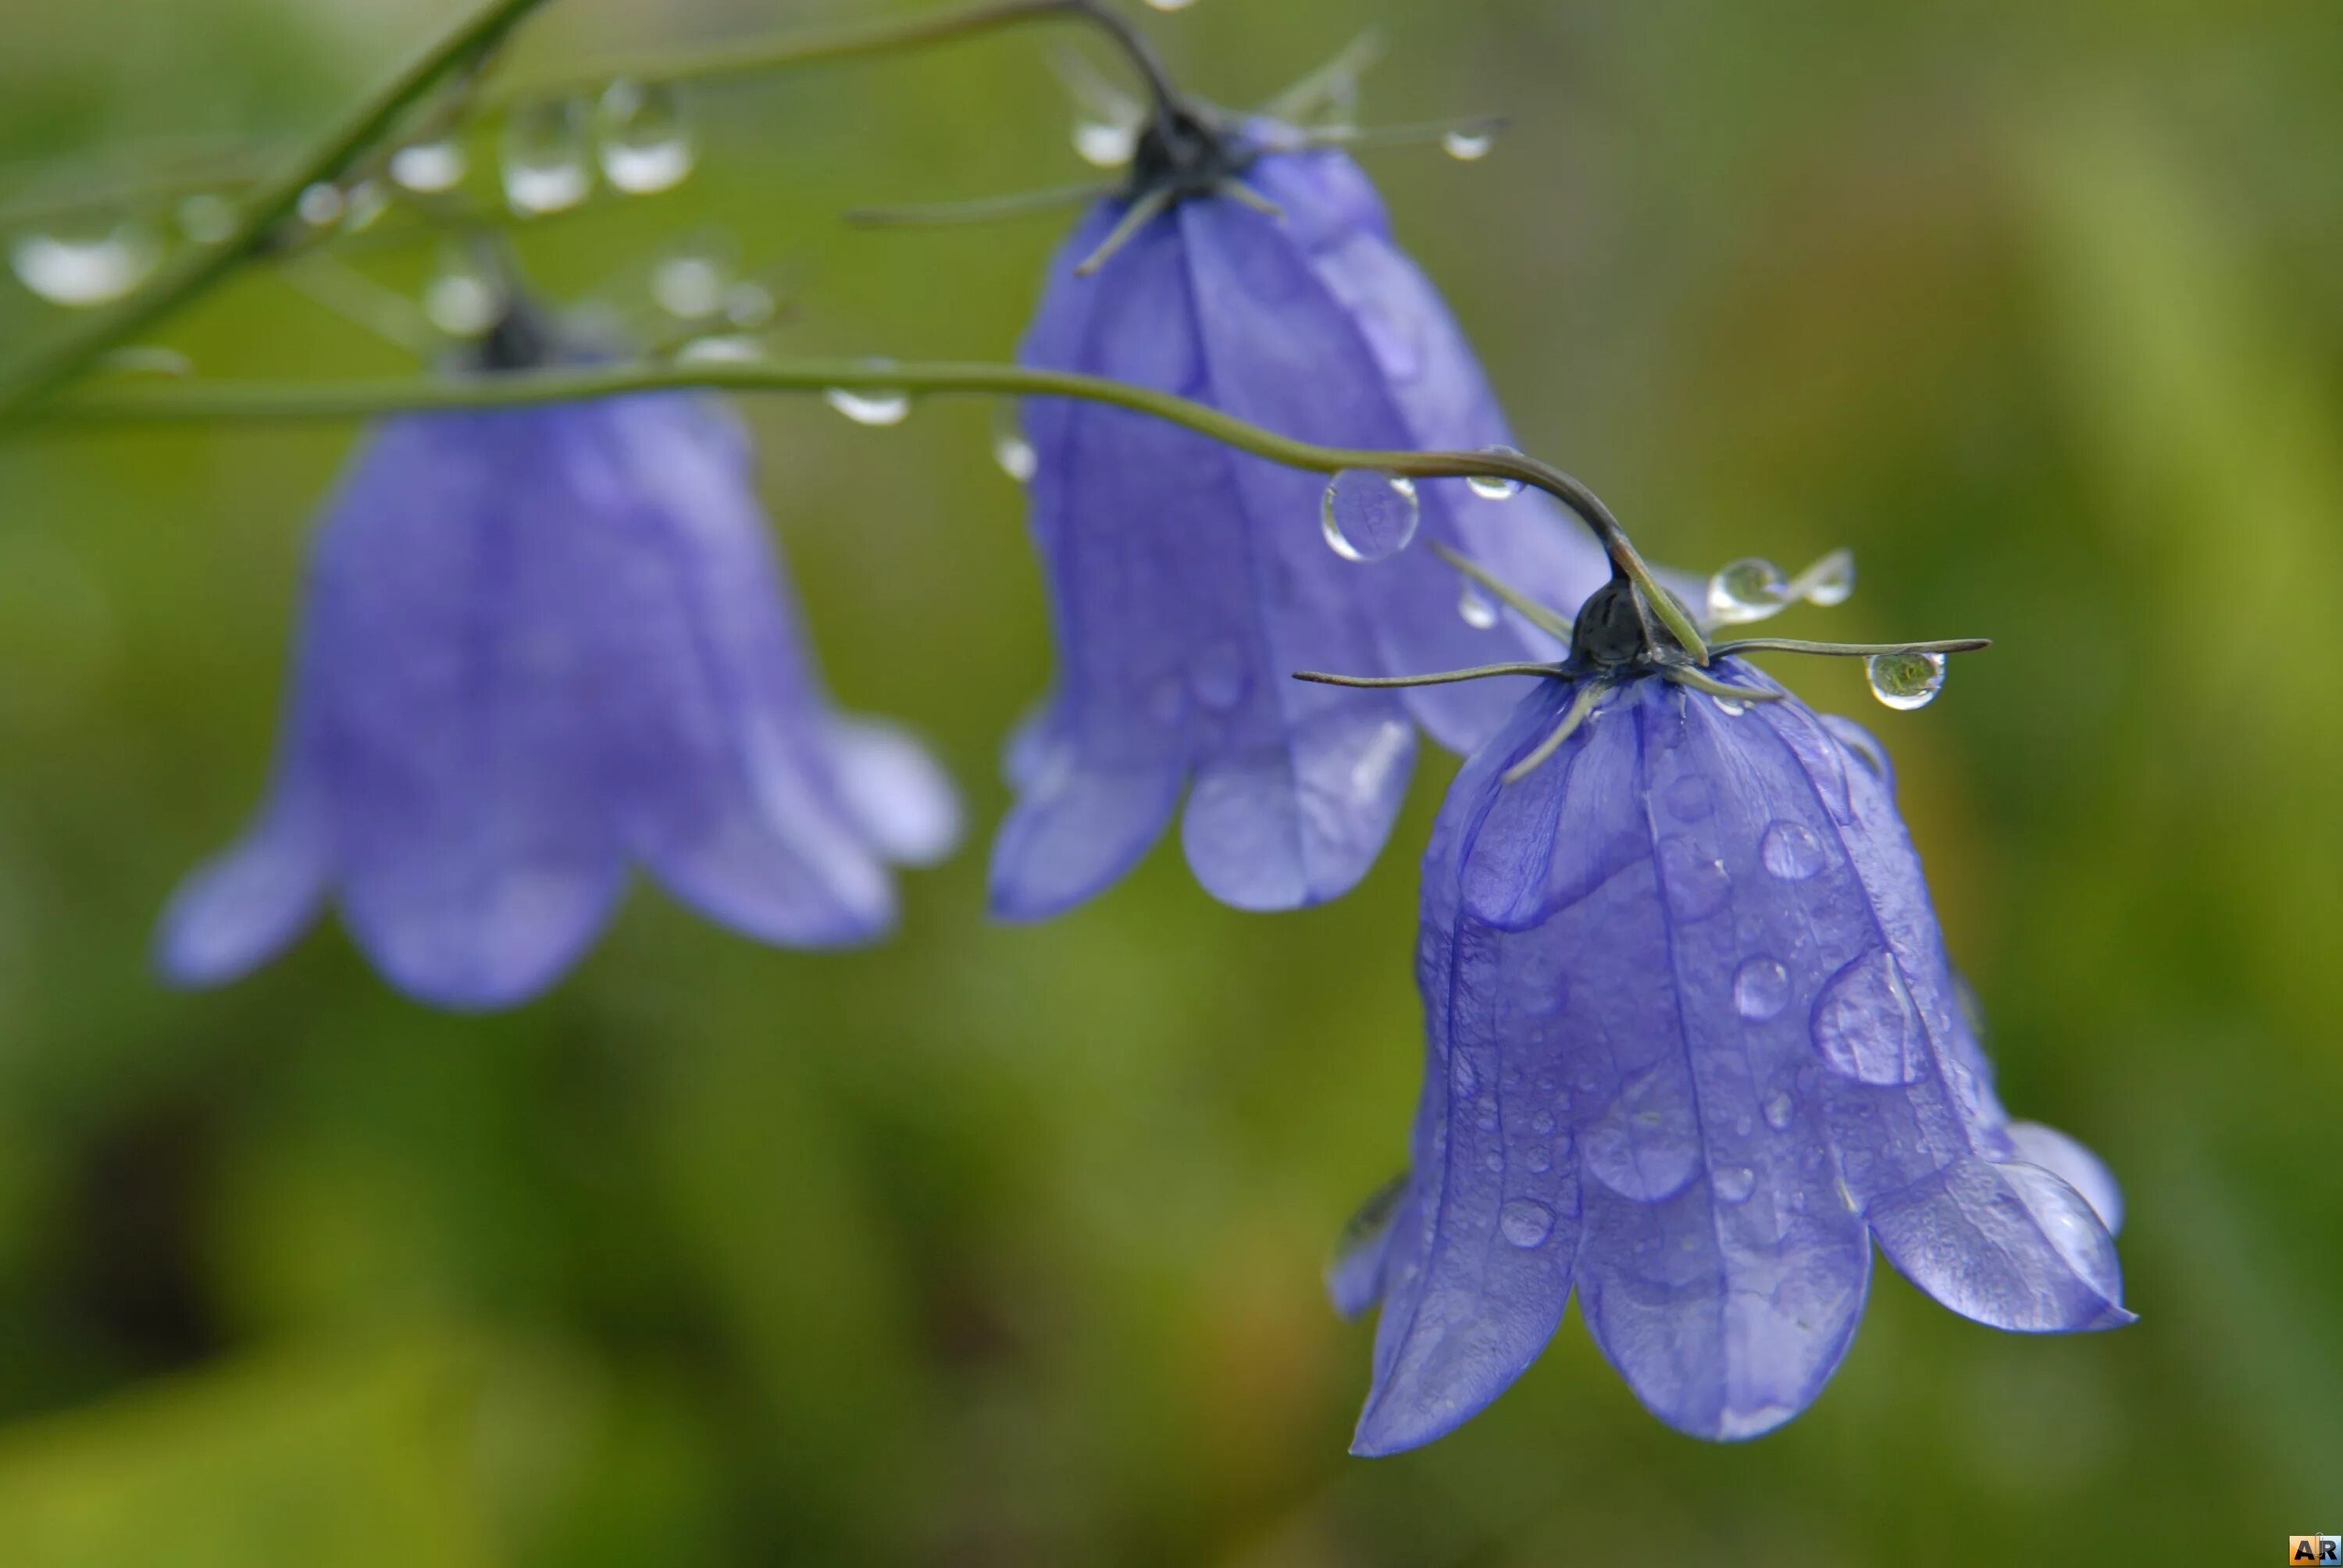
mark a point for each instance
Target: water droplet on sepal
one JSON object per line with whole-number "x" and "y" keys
{"x": 1495, "y": 486}
{"x": 319, "y": 205}
{"x": 1904, "y": 681}
{"x": 689, "y": 286}
{"x": 83, "y": 268}
{"x": 543, "y": 159}
{"x": 1011, "y": 450}
{"x": 1368, "y": 516}
{"x": 463, "y": 298}
{"x": 1746, "y": 590}
{"x": 1105, "y": 144}
{"x": 643, "y": 139}
{"x": 874, "y": 407}
{"x": 430, "y": 168}
{"x": 1829, "y": 582}
{"x": 1468, "y": 144}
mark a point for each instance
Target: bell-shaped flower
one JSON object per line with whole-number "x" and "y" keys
{"x": 539, "y": 645}
{"x": 1692, "y": 1046}
{"x": 1252, "y": 272}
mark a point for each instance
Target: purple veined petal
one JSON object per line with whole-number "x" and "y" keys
{"x": 721, "y": 751}
{"x": 1549, "y": 840}
{"x": 1477, "y": 1266}
{"x": 1354, "y": 1275}
{"x": 2010, "y": 1245}
{"x": 449, "y": 672}
{"x": 1723, "y": 1269}
{"x": 243, "y": 908}
{"x": 1862, "y": 749}
{"x": 894, "y": 790}
{"x": 2066, "y": 1159}
{"x": 1294, "y": 824}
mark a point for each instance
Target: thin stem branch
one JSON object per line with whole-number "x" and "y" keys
{"x": 982, "y": 209}
{"x": 1439, "y": 677}
{"x": 359, "y": 399}
{"x": 1848, "y": 650}
{"x": 275, "y": 199}
{"x": 1580, "y": 707}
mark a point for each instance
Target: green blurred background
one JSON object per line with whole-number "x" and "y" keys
{"x": 1003, "y": 1245}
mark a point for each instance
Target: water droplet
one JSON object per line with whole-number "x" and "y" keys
{"x": 1792, "y": 852}
{"x": 206, "y": 219}
{"x": 1495, "y": 486}
{"x": 1105, "y": 144}
{"x": 645, "y": 141}
{"x": 1695, "y": 883}
{"x": 81, "y": 270}
{"x": 1646, "y": 1146}
{"x": 1761, "y": 990}
{"x": 1011, "y": 450}
{"x": 1866, "y": 1023}
{"x": 1731, "y": 706}
{"x": 1468, "y": 146}
{"x": 1778, "y": 1111}
{"x": 1525, "y": 1223}
{"x": 430, "y": 168}
{"x": 749, "y": 304}
{"x": 1479, "y": 610}
{"x": 870, "y": 406}
{"x": 1688, "y": 798}
{"x": 365, "y": 205}
{"x": 320, "y": 204}
{"x": 688, "y": 287}
{"x": 1830, "y": 580}
{"x": 1171, "y": 4}
{"x": 1368, "y": 516}
{"x": 544, "y": 162}
{"x": 462, "y": 299}
{"x": 1746, "y": 590}
{"x": 1734, "y": 1183}
{"x": 1905, "y": 680}
{"x": 724, "y": 349}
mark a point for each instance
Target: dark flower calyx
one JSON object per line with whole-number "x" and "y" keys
{"x": 1186, "y": 151}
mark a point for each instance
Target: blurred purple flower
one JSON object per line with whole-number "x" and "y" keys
{"x": 1188, "y": 581}
{"x": 1692, "y": 1043}
{"x": 539, "y": 644}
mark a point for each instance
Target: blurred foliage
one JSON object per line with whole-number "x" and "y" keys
{"x": 999, "y": 1245}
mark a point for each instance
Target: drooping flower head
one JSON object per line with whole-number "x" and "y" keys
{"x": 539, "y": 645}
{"x": 1248, "y": 268}
{"x": 1692, "y": 1046}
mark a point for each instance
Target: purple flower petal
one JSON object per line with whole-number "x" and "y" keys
{"x": 245, "y": 907}
{"x": 2075, "y": 1165}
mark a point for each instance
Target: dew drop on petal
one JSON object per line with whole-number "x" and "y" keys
{"x": 1778, "y": 1111}
{"x": 1747, "y": 590}
{"x": 92, "y": 267}
{"x": 544, "y": 161}
{"x": 1791, "y": 852}
{"x": 878, "y": 407}
{"x": 1495, "y": 486}
{"x": 1905, "y": 680}
{"x": 429, "y": 168}
{"x": 1525, "y": 1222}
{"x": 1477, "y": 608}
{"x": 1467, "y": 145}
{"x": 1830, "y": 580}
{"x": 1368, "y": 516}
{"x": 1734, "y": 1183}
{"x": 1761, "y": 990}
{"x": 1866, "y": 1023}
{"x": 1695, "y": 883}
{"x": 1011, "y": 450}
{"x": 643, "y": 138}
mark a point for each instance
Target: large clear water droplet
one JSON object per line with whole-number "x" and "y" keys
{"x": 1733, "y": 1183}
{"x": 1495, "y": 486}
{"x": 1747, "y": 590}
{"x": 1479, "y": 610}
{"x": 644, "y": 141}
{"x": 1105, "y": 144}
{"x": 1011, "y": 450}
{"x": 1905, "y": 680}
{"x": 688, "y": 287}
{"x": 1761, "y": 990}
{"x": 430, "y": 168}
{"x": 1830, "y": 580}
{"x": 1866, "y": 1022}
{"x": 1468, "y": 144}
{"x": 463, "y": 298}
{"x": 1779, "y": 1110}
{"x": 1792, "y": 851}
{"x": 1368, "y": 516}
{"x": 870, "y": 406}
{"x": 206, "y": 219}
{"x": 544, "y": 161}
{"x": 86, "y": 268}
{"x": 1525, "y": 1222}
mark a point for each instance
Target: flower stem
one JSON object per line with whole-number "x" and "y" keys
{"x": 201, "y": 404}
{"x": 269, "y": 204}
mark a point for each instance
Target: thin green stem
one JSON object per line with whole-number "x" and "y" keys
{"x": 1547, "y": 618}
{"x": 1580, "y": 707}
{"x": 359, "y": 399}
{"x": 1700, "y": 681}
{"x": 33, "y": 378}
{"x": 1848, "y": 650}
{"x": 982, "y": 209}
{"x": 1439, "y": 677}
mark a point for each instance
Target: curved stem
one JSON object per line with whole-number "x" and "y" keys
{"x": 270, "y": 204}
{"x": 810, "y": 46}
{"x": 1848, "y": 650}
{"x": 359, "y": 399}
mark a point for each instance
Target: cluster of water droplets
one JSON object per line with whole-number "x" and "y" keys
{"x": 1756, "y": 590}
{"x": 636, "y": 137}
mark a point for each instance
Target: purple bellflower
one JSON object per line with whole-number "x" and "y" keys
{"x": 1245, "y": 269}
{"x": 539, "y": 644}
{"x": 1693, "y": 1045}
